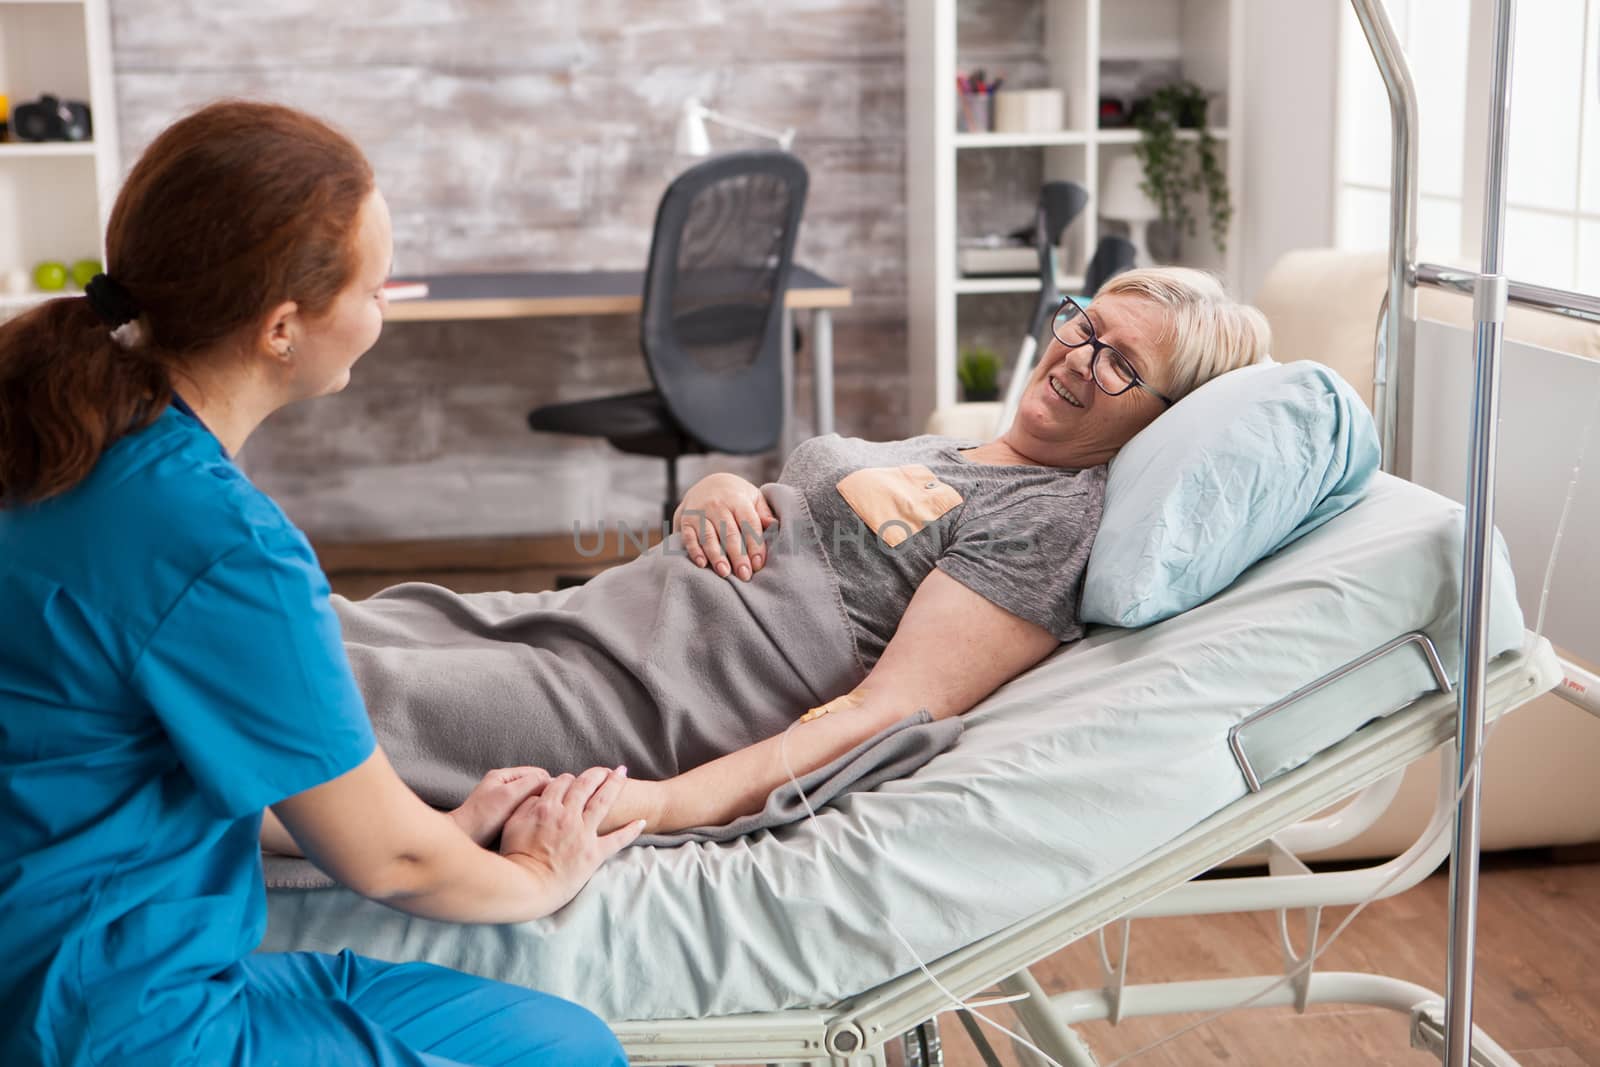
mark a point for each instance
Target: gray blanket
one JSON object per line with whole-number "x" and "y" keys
{"x": 655, "y": 664}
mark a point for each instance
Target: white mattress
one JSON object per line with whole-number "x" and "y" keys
{"x": 1106, "y": 751}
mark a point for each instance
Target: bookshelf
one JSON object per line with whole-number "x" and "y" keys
{"x": 55, "y": 197}
{"x": 1080, "y": 47}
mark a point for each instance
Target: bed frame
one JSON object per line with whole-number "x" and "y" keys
{"x": 1278, "y": 819}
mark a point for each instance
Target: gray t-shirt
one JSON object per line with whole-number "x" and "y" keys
{"x": 889, "y": 512}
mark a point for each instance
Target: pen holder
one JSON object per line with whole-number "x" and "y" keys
{"x": 973, "y": 112}
{"x": 1030, "y": 111}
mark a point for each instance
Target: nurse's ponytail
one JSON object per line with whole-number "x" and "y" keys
{"x": 230, "y": 212}
{"x": 67, "y": 390}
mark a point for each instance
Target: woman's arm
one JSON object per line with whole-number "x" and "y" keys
{"x": 369, "y": 831}
{"x": 952, "y": 649}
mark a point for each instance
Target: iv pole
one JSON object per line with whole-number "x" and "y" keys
{"x": 1489, "y": 313}
{"x": 1489, "y": 306}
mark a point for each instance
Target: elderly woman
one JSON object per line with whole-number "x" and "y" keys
{"x": 915, "y": 576}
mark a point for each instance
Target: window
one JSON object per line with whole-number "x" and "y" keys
{"x": 1553, "y": 166}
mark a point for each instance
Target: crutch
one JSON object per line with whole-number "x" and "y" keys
{"x": 1059, "y": 204}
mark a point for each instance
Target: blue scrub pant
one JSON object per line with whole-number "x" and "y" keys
{"x": 306, "y": 1008}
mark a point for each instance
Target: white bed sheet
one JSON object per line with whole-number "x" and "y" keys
{"x": 1106, "y": 751}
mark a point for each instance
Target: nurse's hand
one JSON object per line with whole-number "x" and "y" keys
{"x": 722, "y": 518}
{"x": 556, "y": 833}
{"x": 493, "y": 799}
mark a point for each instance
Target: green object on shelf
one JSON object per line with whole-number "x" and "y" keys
{"x": 979, "y": 372}
{"x": 83, "y": 272}
{"x": 50, "y": 276}
{"x": 1169, "y": 173}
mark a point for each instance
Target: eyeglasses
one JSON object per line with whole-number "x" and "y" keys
{"x": 1114, "y": 374}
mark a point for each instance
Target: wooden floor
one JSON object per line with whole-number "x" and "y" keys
{"x": 1537, "y": 991}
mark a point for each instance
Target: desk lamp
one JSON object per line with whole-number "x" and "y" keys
{"x": 692, "y": 139}
{"x": 1121, "y": 200}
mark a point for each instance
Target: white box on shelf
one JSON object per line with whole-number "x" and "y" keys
{"x": 1029, "y": 110}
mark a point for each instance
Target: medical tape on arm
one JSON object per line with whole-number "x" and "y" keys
{"x": 850, "y": 700}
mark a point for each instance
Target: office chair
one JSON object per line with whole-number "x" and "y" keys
{"x": 1111, "y": 257}
{"x": 711, "y": 324}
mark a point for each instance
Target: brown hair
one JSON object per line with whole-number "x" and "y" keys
{"x": 231, "y": 211}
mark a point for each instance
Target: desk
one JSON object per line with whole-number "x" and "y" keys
{"x": 621, "y": 292}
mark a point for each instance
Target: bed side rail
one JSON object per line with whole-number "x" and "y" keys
{"x": 1441, "y": 683}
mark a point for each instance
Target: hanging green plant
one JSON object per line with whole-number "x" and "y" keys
{"x": 1170, "y": 174}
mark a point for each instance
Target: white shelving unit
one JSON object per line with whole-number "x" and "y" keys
{"x": 55, "y": 197}
{"x": 1203, "y": 37}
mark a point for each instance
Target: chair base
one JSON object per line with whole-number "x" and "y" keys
{"x": 636, "y": 423}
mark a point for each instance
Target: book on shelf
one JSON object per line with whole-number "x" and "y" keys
{"x": 404, "y": 290}
{"x": 981, "y": 260}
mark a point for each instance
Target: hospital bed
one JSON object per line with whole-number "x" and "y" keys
{"x": 1089, "y": 789}
{"x": 1086, "y": 793}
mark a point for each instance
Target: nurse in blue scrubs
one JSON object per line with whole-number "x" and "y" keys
{"x": 173, "y": 688}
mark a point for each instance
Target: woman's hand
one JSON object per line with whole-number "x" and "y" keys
{"x": 719, "y": 515}
{"x": 494, "y": 798}
{"x": 556, "y": 833}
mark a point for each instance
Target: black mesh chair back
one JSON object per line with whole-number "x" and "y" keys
{"x": 713, "y": 297}
{"x": 1111, "y": 257}
{"x": 1059, "y": 204}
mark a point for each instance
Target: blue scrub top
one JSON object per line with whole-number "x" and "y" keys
{"x": 169, "y": 666}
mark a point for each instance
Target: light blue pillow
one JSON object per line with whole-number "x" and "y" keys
{"x": 1236, "y": 470}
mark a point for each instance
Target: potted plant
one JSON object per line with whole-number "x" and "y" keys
{"x": 979, "y": 372}
{"x": 1170, "y": 170}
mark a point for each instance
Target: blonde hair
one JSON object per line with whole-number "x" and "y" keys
{"x": 1209, "y": 333}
